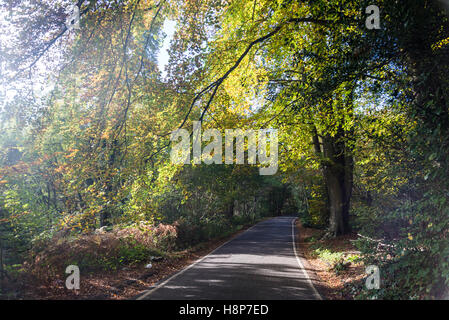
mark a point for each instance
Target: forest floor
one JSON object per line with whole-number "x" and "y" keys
{"x": 125, "y": 283}
{"x": 334, "y": 262}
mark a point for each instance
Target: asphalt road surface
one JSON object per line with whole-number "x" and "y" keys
{"x": 259, "y": 264}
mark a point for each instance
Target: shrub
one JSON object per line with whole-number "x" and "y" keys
{"x": 188, "y": 233}
{"x": 104, "y": 251}
{"x": 165, "y": 236}
{"x": 332, "y": 258}
{"x": 414, "y": 260}
{"x": 317, "y": 216}
{"x": 192, "y": 232}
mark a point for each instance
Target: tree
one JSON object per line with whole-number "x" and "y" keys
{"x": 294, "y": 56}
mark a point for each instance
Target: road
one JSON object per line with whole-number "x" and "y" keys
{"x": 259, "y": 264}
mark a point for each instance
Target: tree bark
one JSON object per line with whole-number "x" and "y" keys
{"x": 337, "y": 166}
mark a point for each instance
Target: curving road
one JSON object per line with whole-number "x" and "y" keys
{"x": 259, "y": 264}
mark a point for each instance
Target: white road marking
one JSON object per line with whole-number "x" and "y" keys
{"x": 301, "y": 266}
{"x": 148, "y": 292}
{"x": 318, "y": 296}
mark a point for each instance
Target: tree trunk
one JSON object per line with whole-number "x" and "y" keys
{"x": 337, "y": 166}
{"x": 231, "y": 209}
{"x": 337, "y": 224}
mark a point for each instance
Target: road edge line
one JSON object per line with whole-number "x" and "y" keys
{"x": 301, "y": 265}
{"x": 158, "y": 286}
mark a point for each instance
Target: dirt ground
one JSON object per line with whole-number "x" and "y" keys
{"x": 330, "y": 284}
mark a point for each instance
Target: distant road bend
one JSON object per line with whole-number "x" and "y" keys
{"x": 259, "y": 264}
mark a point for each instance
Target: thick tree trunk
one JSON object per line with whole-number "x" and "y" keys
{"x": 337, "y": 166}
{"x": 337, "y": 223}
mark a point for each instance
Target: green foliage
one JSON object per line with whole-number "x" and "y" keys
{"x": 317, "y": 215}
{"x": 191, "y": 233}
{"x": 332, "y": 258}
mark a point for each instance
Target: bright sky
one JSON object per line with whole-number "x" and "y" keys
{"x": 162, "y": 58}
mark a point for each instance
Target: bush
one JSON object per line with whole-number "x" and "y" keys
{"x": 317, "y": 215}
{"x": 331, "y": 258}
{"x": 104, "y": 251}
{"x": 165, "y": 236}
{"x": 192, "y": 232}
{"x": 415, "y": 264}
{"x": 188, "y": 233}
